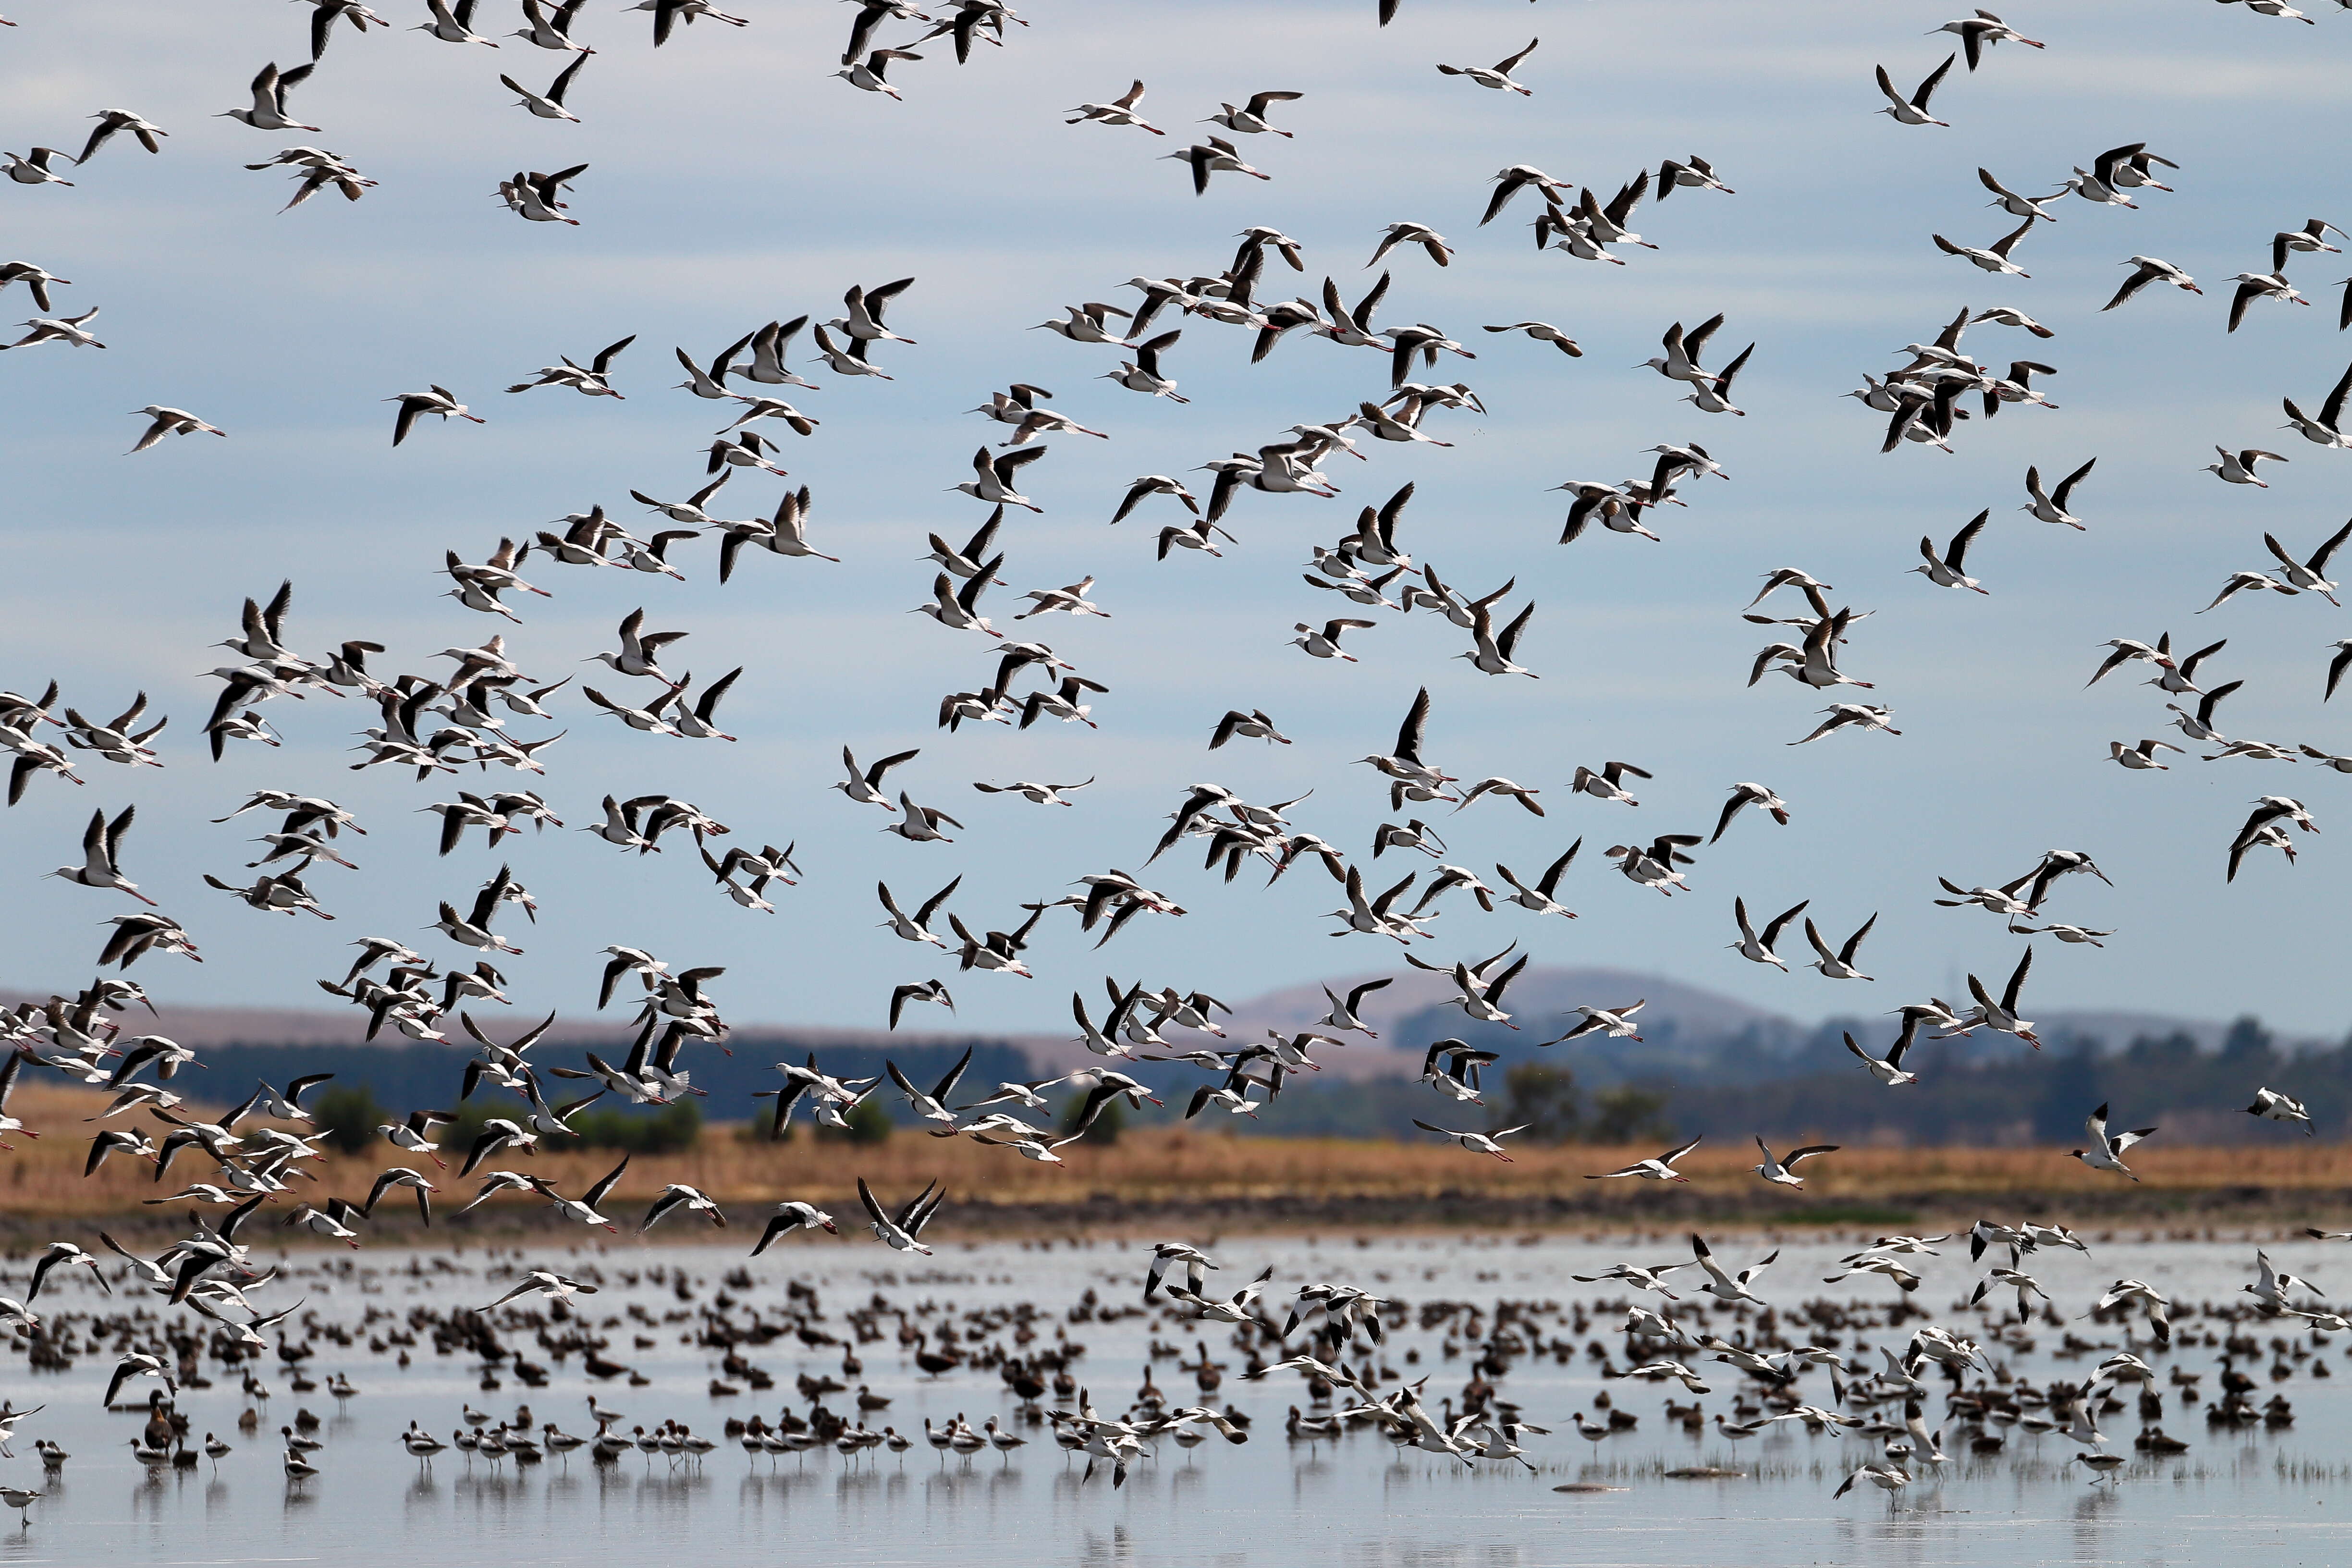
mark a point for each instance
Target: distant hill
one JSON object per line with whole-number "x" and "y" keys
{"x": 240, "y": 1045}
{"x": 1409, "y": 1012}
{"x": 1720, "y": 1065}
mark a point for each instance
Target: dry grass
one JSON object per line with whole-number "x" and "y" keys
{"x": 1184, "y": 1169}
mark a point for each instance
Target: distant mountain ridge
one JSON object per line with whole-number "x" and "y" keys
{"x": 1686, "y": 1029}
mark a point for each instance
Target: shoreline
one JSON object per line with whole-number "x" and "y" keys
{"x": 1159, "y": 1182}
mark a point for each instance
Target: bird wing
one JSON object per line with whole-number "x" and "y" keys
{"x": 1959, "y": 549}
{"x": 1854, "y": 942}
{"x": 2066, "y": 486}
{"x": 866, "y": 1197}
{"x": 2016, "y": 982}
{"x": 1410, "y": 733}
{"x": 1813, "y": 935}
{"x": 919, "y": 1209}
{"x": 604, "y": 357}
{"x": 594, "y": 1197}
{"x": 1772, "y": 932}
{"x": 2319, "y": 557}
{"x": 2001, "y": 246}
{"x": 2140, "y": 278}
{"x": 946, "y": 1085}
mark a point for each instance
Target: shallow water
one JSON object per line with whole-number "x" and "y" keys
{"x": 2285, "y": 1495}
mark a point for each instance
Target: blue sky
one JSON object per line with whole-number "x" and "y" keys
{"x": 733, "y": 182}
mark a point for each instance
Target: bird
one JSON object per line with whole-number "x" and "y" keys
{"x": 1913, "y": 110}
{"x": 270, "y": 89}
{"x": 544, "y": 1282}
{"x": 2271, "y": 1105}
{"x": 112, "y": 122}
{"x": 1782, "y": 1171}
{"x": 1660, "y": 1168}
{"x": 1993, "y": 257}
{"x": 2050, "y": 507}
{"x": 2106, "y": 1153}
{"x": 1437, "y": 247}
{"x": 1607, "y": 783}
{"x": 1887, "y": 1478}
{"x": 584, "y": 1207}
{"x": 549, "y": 105}
{"x": 1119, "y": 111}
{"x": 2014, "y": 203}
{"x": 1980, "y": 32}
{"x": 676, "y": 1196}
{"x": 920, "y": 991}
{"x": 1610, "y": 1022}
{"x": 440, "y": 400}
{"x": 2272, "y": 1284}
{"x": 866, "y": 786}
{"x": 1756, "y": 948}
{"x": 1948, "y": 569}
{"x": 931, "y": 1104}
{"x": 2141, "y": 757}
{"x": 1838, "y": 966}
{"x": 66, "y": 1254}
{"x": 1141, "y": 374}
{"x": 536, "y": 198}
{"x": 2324, "y": 429}
{"x": 102, "y": 845}
{"x": 1733, "y": 1289}
{"x": 452, "y": 23}
{"x": 2003, "y": 1016}
{"x": 33, "y": 167}
{"x": 1542, "y": 332}
{"x": 1498, "y": 74}
{"x": 2151, "y": 269}
{"x": 1747, "y": 795}
{"x": 2238, "y": 468}
{"x": 903, "y": 1231}
{"x": 793, "y": 1216}
{"x": 1325, "y": 643}
{"x": 593, "y": 381}
{"x": 34, "y": 278}
{"x": 1889, "y": 1069}
{"x": 1217, "y": 157}
{"x": 170, "y": 422}
{"x": 2252, "y": 286}
{"x": 2238, "y": 582}
{"x": 1250, "y": 119}
{"x": 1475, "y": 1142}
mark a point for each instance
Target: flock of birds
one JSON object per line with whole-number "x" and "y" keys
{"x": 1363, "y": 1360}
{"x": 442, "y": 719}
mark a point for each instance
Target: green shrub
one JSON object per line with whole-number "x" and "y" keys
{"x": 666, "y": 1131}
{"x": 1109, "y": 1123}
{"x": 868, "y": 1123}
{"x": 1542, "y": 1098}
{"x": 348, "y": 1117}
{"x": 1628, "y": 1115}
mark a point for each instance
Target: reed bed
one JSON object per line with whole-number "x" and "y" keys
{"x": 1277, "y": 1181}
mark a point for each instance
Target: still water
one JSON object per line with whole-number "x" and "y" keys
{"x": 2283, "y": 1496}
